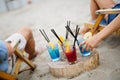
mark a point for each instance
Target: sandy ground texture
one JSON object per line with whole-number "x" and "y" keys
{"x": 48, "y": 14}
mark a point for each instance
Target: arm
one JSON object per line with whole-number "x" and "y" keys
{"x": 109, "y": 29}
{"x": 10, "y": 49}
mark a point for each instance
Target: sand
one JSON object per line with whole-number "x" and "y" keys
{"x": 48, "y": 14}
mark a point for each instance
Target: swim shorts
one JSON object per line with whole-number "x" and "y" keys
{"x": 112, "y": 16}
{"x": 3, "y": 57}
{"x": 21, "y": 46}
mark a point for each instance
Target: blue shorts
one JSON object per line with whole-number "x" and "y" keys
{"x": 103, "y": 22}
{"x": 3, "y": 57}
{"x": 110, "y": 16}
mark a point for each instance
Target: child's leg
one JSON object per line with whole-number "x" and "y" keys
{"x": 96, "y": 5}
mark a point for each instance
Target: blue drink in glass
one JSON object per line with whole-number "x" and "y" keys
{"x": 54, "y": 53}
{"x": 85, "y": 52}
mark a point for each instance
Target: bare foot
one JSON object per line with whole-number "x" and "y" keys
{"x": 38, "y": 50}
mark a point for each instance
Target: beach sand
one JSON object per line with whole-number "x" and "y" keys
{"x": 48, "y": 14}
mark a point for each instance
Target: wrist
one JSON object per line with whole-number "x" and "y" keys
{"x": 97, "y": 37}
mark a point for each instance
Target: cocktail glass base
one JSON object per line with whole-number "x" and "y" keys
{"x": 57, "y": 59}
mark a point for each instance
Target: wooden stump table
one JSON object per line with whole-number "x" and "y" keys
{"x": 63, "y": 69}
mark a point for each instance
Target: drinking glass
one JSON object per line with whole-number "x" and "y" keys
{"x": 85, "y": 52}
{"x": 70, "y": 54}
{"x": 54, "y": 52}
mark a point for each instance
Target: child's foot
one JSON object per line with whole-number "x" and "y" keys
{"x": 38, "y": 50}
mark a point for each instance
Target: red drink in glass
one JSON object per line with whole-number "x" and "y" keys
{"x": 71, "y": 55}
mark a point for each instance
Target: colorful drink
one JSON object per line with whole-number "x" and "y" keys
{"x": 85, "y": 52}
{"x": 70, "y": 54}
{"x": 54, "y": 53}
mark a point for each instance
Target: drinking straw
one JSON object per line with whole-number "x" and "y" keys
{"x": 66, "y": 34}
{"x": 68, "y": 24}
{"x": 76, "y": 34}
{"x": 44, "y": 35}
{"x": 68, "y": 28}
{"x": 62, "y": 39}
{"x": 46, "y": 38}
{"x": 56, "y": 36}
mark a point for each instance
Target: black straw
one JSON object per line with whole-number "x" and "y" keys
{"x": 44, "y": 35}
{"x": 66, "y": 34}
{"x": 76, "y": 34}
{"x": 56, "y": 35}
{"x": 68, "y": 24}
{"x": 68, "y": 28}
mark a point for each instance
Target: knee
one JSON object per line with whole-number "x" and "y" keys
{"x": 27, "y": 30}
{"x": 93, "y": 0}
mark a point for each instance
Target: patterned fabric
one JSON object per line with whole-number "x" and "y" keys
{"x": 21, "y": 46}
